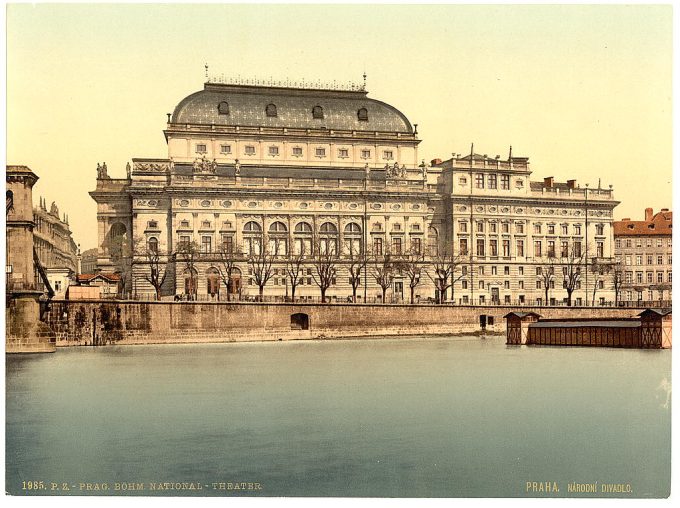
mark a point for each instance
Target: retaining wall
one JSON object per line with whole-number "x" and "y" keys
{"x": 97, "y": 322}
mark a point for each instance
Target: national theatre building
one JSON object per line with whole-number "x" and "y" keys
{"x": 261, "y": 178}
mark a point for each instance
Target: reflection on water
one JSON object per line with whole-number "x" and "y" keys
{"x": 423, "y": 417}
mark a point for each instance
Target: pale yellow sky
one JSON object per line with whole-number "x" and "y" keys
{"x": 583, "y": 91}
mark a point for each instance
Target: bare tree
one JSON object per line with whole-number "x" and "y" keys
{"x": 187, "y": 253}
{"x": 617, "y": 281}
{"x": 382, "y": 271}
{"x": 599, "y": 268}
{"x": 295, "y": 271}
{"x": 571, "y": 271}
{"x": 120, "y": 249}
{"x": 411, "y": 264}
{"x": 447, "y": 269}
{"x": 229, "y": 257}
{"x": 546, "y": 276}
{"x": 356, "y": 265}
{"x": 324, "y": 261}
{"x": 156, "y": 263}
{"x": 260, "y": 262}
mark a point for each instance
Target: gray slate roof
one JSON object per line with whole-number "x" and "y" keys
{"x": 294, "y": 109}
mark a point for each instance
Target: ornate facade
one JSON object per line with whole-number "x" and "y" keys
{"x": 311, "y": 172}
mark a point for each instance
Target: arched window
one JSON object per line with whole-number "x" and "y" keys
{"x": 317, "y": 112}
{"x": 328, "y": 239}
{"x": 252, "y": 227}
{"x": 190, "y": 276}
{"x": 270, "y": 110}
{"x": 352, "y": 240}
{"x": 223, "y": 108}
{"x": 117, "y": 240}
{"x": 278, "y": 239}
{"x": 252, "y": 238}
{"x": 278, "y": 227}
{"x": 213, "y": 281}
{"x": 303, "y": 239}
{"x": 362, "y": 115}
{"x": 152, "y": 245}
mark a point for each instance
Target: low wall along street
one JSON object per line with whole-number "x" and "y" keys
{"x": 97, "y": 323}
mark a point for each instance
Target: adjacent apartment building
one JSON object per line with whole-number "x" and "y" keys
{"x": 644, "y": 259}
{"x": 306, "y": 173}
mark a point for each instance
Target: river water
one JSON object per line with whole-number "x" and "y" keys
{"x": 435, "y": 417}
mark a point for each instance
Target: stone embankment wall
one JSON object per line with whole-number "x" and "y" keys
{"x": 96, "y": 323}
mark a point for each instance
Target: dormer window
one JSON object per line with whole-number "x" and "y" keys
{"x": 223, "y": 108}
{"x": 270, "y": 110}
{"x": 362, "y": 115}
{"x": 317, "y": 112}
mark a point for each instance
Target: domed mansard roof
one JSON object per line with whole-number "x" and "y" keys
{"x": 295, "y": 108}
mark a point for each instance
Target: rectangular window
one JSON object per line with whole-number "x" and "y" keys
{"x": 565, "y": 229}
{"x": 206, "y": 244}
{"x": 493, "y": 227}
{"x": 273, "y": 150}
{"x": 416, "y": 246}
{"x": 659, "y": 242}
{"x": 388, "y": 155}
{"x": 519, "y": 228}
{"x": 650, "y": 260}
{"x": 493, "y": 181}
{"x": 537, "y": 229}
{"x": 564, "y": 248}
{"x": 480, "y": 270}
{"x": 577, "y": 249}
{"x": 463, "y": 246}
{"x": 493, "y": 248}
{"x": 650, "y": 277}
{"x": 551, "y": 229}
{"x": 225, "y": 148}
{"x": 494, "y": 270}
{"x": 480, "y": 247}
{"x": 505, "y": 227}
{"x": 320, "y": 152}
{"x": 599, "y": 230}
{"x": 227, "y": 243}
{"x": 659, "y": 260}
{"x": 537, "y": 249}
{"x": 184, "y": 239}
{"x": 297, "y": 151}
{"x": 343, "y": 153}
{"x": 480, "y": 227}
{"x": 506, "y": 285}
{"x": 638, "y": 277}
{"x": 520, "y": 248}
{"x": 464, "y": 284}
{"x": 506, "y": 248}
{"x": 249, "y": 150}
{"x": 365, "y": 154}
{"x": 600, "y": 249}
{"x": 479, "y": 181}
{"x": 618, "y": 243}
{"x": 505, "y": 182}
{"x": 577, "y": 229}
{"x": 551, "y": 249}
{"x": 638, "y": 242}
{"x": 396, "y": 246}
{"x": 377, "y": 246}
{"x": 201, "y": 148}
{"x": 462, "y": 227}
{"x": 629, "y": 243}
{"x": 520, "y": 284}
{"x": 638, "y": 260}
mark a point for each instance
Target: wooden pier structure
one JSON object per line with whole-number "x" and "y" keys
{"x": 652, "y": 329}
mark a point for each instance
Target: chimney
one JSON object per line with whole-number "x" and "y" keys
{"x": 571, "y": 184}
{"x": 548, "y": 181}
{"x": 649, "y": 213}
{"x": 435, "y": 162}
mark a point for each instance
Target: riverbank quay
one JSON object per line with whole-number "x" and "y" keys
{"x": 94, "y": 322}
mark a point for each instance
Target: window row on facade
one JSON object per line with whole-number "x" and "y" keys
{"x": 629, "y": 243}
{"x": 550, "y": 248}
{"x": 272, "y": 110}
{"x": 648, "y": 259}
{"x": 482, "y": 226}
{"x": 295, "y": 151}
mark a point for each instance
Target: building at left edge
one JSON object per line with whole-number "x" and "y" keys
{"x": 303, "y": 172}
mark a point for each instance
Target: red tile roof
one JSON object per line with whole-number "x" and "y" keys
{"x": 89, "y": 277}
{"x": 661, "y": 223}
